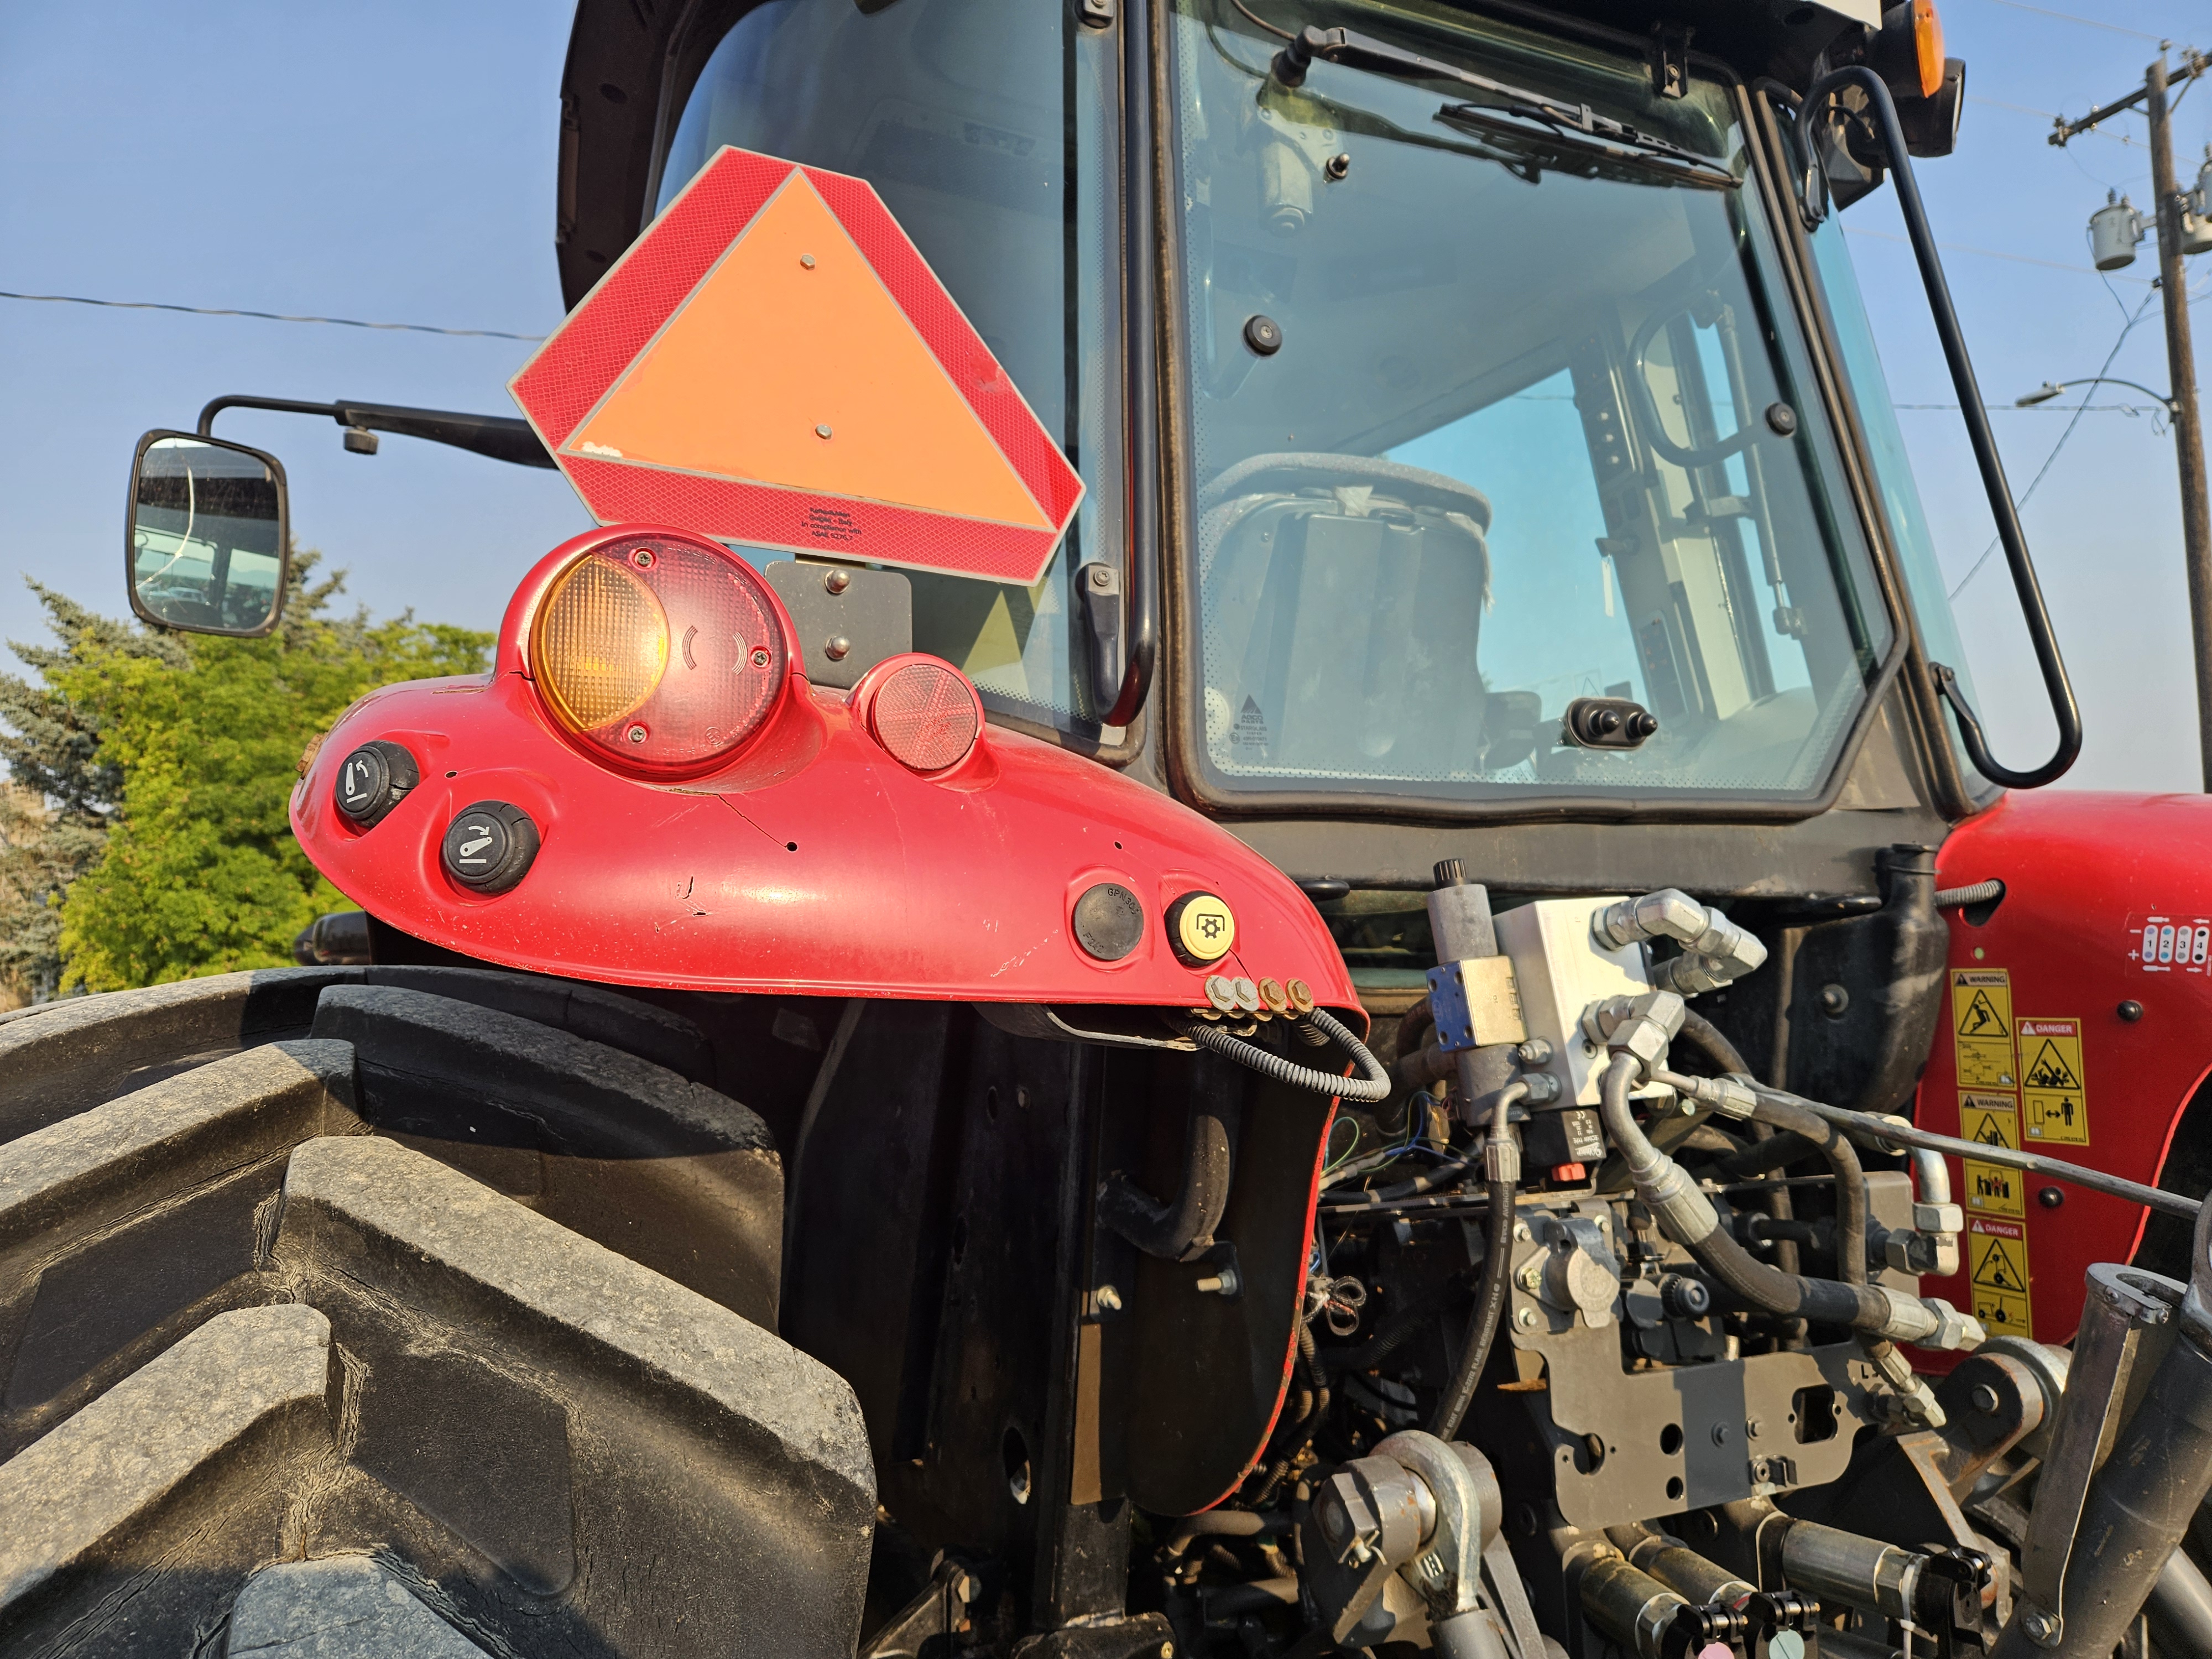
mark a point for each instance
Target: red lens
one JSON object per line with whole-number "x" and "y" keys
{"x": 927, "y": 714}
{"x": 663, "y": 654}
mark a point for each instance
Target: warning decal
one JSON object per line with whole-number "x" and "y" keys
{"x": 1993, "y": 1189}
{"x": 1988, "y": 1120}
{"x": 2052, "y": 1095}
{"x": 1981, "y": 1025}
{"x": 1996, "y": 1259}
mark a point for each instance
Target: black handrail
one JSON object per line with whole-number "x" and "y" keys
{"x": 1140, "y": 390}
{"x": 2067, "y": 712}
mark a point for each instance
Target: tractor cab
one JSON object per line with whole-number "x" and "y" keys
{"x": 1044, "y": 1006}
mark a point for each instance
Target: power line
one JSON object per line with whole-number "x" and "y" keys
{"x": 1988, "y": 253}
{"x": 266, "y": 316}
{"x": 2111, "y": 358}
{"x": 2085, "y": 23}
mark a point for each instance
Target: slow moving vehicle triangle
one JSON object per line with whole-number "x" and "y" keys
{"x": 772, "y": 362}
{"x": 791, "y": 364}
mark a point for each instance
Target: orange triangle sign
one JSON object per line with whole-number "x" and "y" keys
{"x": 772, "y": 362}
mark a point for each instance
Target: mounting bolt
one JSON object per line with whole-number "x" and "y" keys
{"x": 1102, "y": 576}
{"x": 838, "y": 648}
{"x": 1225, "y": 1283}
{"x": 1336, "y": 167}
{"x": 1985, "y": 1398}
{"x": 636, "y": 734}
{"x": 822, "y": 431}
{"x": 2043, "y": 1628}
{"x": 1525, "y": 1319}
{"x": 1834, "y": 1001}
{"x": 1531, "y": 1276}
{"x": 1720, "y": 1434}
{"x": 806, "y": 261}
{"x": 2130, "y": 1010}
{"x": 1521, "y": 1231}
{"x": 836, "y": 581}
{"x": 1106, "y": 1298}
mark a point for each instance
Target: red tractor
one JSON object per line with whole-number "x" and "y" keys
{"x": 1369, "y": 989}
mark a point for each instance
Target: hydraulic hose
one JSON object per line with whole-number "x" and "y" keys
{"x": 1370, "y": 1090}
{"x": 1850, "y": 1179}
{"x": 1687, "y": 1216}
{"x": 1502, "y": 1159}
{"x": 1708, "y": 1040}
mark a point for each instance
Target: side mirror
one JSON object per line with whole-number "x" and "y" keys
{"x": 209, "y": 546}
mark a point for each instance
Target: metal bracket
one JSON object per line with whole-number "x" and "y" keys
{"x": 1670, "y": 61}
{"x": 1100, "y": 586}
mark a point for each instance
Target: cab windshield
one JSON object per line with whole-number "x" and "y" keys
{"x": 1485, "y": 415}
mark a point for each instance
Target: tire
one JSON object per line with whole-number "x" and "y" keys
{"x": 361, "y": 1310}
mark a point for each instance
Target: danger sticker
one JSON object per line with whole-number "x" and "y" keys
{"x": 1988, "y": 1120}
{"x": 1996, "y": 1260}
{"x": 1993, "y": 1189}
{"x": 1981, "y": 1026}
{"x": 2054, "y": 1101}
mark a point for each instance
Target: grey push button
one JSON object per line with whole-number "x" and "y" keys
{"x": 490, "y": 847}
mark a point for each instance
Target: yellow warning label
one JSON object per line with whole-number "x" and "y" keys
{"x": 1996, "y": 1260}
{"x": 2055, "y": 1102}
{"x": 1993, "y": 1189}
{"x": 1988, "y": 1120}
{"x": 1981, "y": 1025}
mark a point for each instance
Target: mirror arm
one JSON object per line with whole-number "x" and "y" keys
{"x": 2064, "y": 707}
{"x": 502, "y": 438}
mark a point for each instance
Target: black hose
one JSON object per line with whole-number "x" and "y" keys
{"x": 1182, "y": 1230}
{"x": 1367, "y": 1090}
{"x": 1825, "y": 1300}
{"x": 1804, "y": 1134}
{"x": 1406, "y": 1039}
{"x": 1223, "y": 1524}
{"x": 1708, "y": 1040}
{"x": 1489, "y": 1308}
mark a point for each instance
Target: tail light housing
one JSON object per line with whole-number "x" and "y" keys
{"x": 922, "y": 710}
{"x": 661, "y": 653}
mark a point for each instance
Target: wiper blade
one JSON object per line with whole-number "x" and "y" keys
{"x": 1575, "y": 123}
{"x": 1627, "y": 145}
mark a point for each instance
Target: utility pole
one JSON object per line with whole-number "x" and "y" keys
{"x": 2181, "y": 361}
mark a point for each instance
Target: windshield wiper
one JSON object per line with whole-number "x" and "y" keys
{"x": 1627, "y": 146}
{"x": 1574, "y": 124}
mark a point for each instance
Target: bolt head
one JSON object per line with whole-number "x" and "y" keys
{"x": 822, "y": 431}
{"x": 838, "y": 648}
{"x": 1985, "y": 1398}
{"x": 806, "y": 261}
{"x": 836, "y": 581}
{"x": 1525, "y": 1319}
{"x": 636, "y": 734}
{"x": 1102, "y": 577}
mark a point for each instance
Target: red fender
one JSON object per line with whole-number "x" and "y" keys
{"x": 814, "y": 862}
{"x": 2086, "y": 875}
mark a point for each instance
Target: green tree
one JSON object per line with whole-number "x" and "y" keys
{"x": 55, "y": 816}
{"x": 189, "y": 746}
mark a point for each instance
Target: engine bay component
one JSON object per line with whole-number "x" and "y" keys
{"x": 1715, "y": 950}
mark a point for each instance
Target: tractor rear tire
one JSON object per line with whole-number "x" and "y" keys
{"x": 424, "y": 1311}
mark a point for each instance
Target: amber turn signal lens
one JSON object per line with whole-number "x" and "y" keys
{"x": 1928, "y": 46}
{"x": 602, "y": 643}
{"x": 663, "y": 654}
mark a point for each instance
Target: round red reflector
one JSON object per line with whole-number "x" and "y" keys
{"x": 662, "y": 655}
{"x": 927, "y": 714}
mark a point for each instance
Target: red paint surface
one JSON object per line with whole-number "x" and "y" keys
{"x": 2083, "y": 872}
{"x": 953, "y": 887}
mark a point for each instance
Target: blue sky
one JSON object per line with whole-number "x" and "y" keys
{"x": 395, "y": 162}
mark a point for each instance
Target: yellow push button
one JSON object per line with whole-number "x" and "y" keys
{"x": 1200, "y": 929}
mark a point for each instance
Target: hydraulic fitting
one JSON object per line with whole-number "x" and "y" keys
{"x": 1641, "y": 1026}
{"x": 1715, "y": 950}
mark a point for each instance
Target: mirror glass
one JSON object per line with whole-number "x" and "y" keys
{"x": 207, "y": 536}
